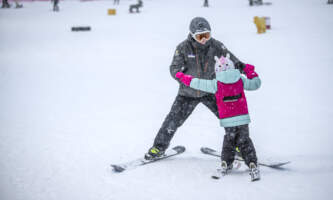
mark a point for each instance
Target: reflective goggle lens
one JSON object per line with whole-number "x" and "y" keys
{"x": 200, "y": 36}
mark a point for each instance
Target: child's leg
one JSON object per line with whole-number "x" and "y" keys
{"x": 229, "y": 145}
{"x": 245, "y": 145}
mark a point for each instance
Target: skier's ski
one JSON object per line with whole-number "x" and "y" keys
{"x": 218, "y": 174}
{"x": 275, "y": 165}
{"x": 141, "y": 161}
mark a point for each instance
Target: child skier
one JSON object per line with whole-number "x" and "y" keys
{"x": 228, "y": 88}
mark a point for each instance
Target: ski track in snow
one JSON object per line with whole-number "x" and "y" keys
{"x": 72, "y": 103}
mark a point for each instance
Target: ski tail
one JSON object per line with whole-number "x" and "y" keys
{"x": 266, "y": 163}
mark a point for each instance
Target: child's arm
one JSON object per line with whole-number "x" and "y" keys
{"x": 252, "y": 82}
{"x": 209, "y": 86}
{"x": 198, "y": 84}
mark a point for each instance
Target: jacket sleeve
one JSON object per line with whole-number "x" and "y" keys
{"x": 251, "y": 84}
{"x": 178, "y": 62}
{"x": 209, "y": 86}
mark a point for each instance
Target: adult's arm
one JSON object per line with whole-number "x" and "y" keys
{"x": 178, "y": 63}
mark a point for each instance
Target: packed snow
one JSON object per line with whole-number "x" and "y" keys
{"x": 72, "y": 103}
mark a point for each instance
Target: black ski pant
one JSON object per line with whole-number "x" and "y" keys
{"x": 238, "y": 136}
{"x": 180, "y": 111}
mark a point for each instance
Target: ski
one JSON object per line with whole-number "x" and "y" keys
{"x": 218, "y": 174}
{"x": 275, "y": 165}
{"x": 117, "y": 168}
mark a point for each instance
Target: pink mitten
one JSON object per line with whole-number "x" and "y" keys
{"x": 186, "y": 79}
{"x": 249, "y": 71}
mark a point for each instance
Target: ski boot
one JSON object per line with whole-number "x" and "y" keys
{"x": 225, "y": 168}
{"x": 254, "y": 172}
{"x": 154, "y": 153}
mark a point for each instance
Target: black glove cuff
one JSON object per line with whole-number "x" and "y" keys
{"x": 240, "y": 66}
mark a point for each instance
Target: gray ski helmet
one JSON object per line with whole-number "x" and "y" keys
{"x": 199, "y": 24}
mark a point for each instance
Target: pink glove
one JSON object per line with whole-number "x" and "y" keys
{"x": 184, "y": 78}
{"x": 249, "y": 71}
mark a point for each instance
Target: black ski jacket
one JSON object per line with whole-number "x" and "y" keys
{"x": 197, "y": 60}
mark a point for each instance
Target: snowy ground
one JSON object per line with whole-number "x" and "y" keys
{"x": 73, "y": 103}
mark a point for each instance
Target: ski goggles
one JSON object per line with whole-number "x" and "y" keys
{"x": 199, "y": 36}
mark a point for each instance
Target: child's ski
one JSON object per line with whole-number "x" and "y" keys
{"x": 270, "y": 164}
{"x": 141, "y": 161}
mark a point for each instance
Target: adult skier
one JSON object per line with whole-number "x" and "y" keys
{"x": 195, "y": 56}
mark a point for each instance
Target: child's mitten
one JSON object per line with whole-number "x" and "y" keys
{"x": 249, "y": 71}
{"x": 184, "y": 78}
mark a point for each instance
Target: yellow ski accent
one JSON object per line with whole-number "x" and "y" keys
{"x": 154, "y": 150}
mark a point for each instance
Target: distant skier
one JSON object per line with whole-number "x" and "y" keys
{"x": 5, "y": 4}
{"x": 17, "y": 4}
{"x": 330, "y": 2}
{"x": 228, "y": 87}
{"x": 195, "y": 56}
{"x": 115, "y": 2}
{"x": 255, "y": 2}
{"x": 206, "y": 3}
{"x": 136, "y": 6}
{"x": 55, "y": 5}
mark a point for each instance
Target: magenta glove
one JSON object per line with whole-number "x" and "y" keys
{"x": 249, "y": 71}
{"x": 184, "y": 78}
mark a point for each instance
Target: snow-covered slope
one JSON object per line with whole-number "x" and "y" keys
{"x": 72, "y": 103}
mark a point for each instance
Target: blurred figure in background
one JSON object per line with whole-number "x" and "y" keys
{"x": 115, "y": 2}
{"x": 206, "y": 3}
{"x": 17, "y": 4}
{"x": 136, "y": 6}
{"x": 55, "y": 5}
{"x": 5, "y": 4}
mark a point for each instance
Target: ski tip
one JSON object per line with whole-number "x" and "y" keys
{"x": 207, "y": 150}
{"x": 117, "y": 168}
{"x": 179, "y": 148}
{"x": 280, "y": 165}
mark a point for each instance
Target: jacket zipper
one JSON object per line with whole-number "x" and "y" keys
{"x": 198, "y": 67}
{"x": 206, "y": 67}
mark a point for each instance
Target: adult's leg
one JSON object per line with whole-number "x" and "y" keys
{"x": 180, "y": 111}
{"x": 245, "y": 145}
{"x": 210, "y": 102}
